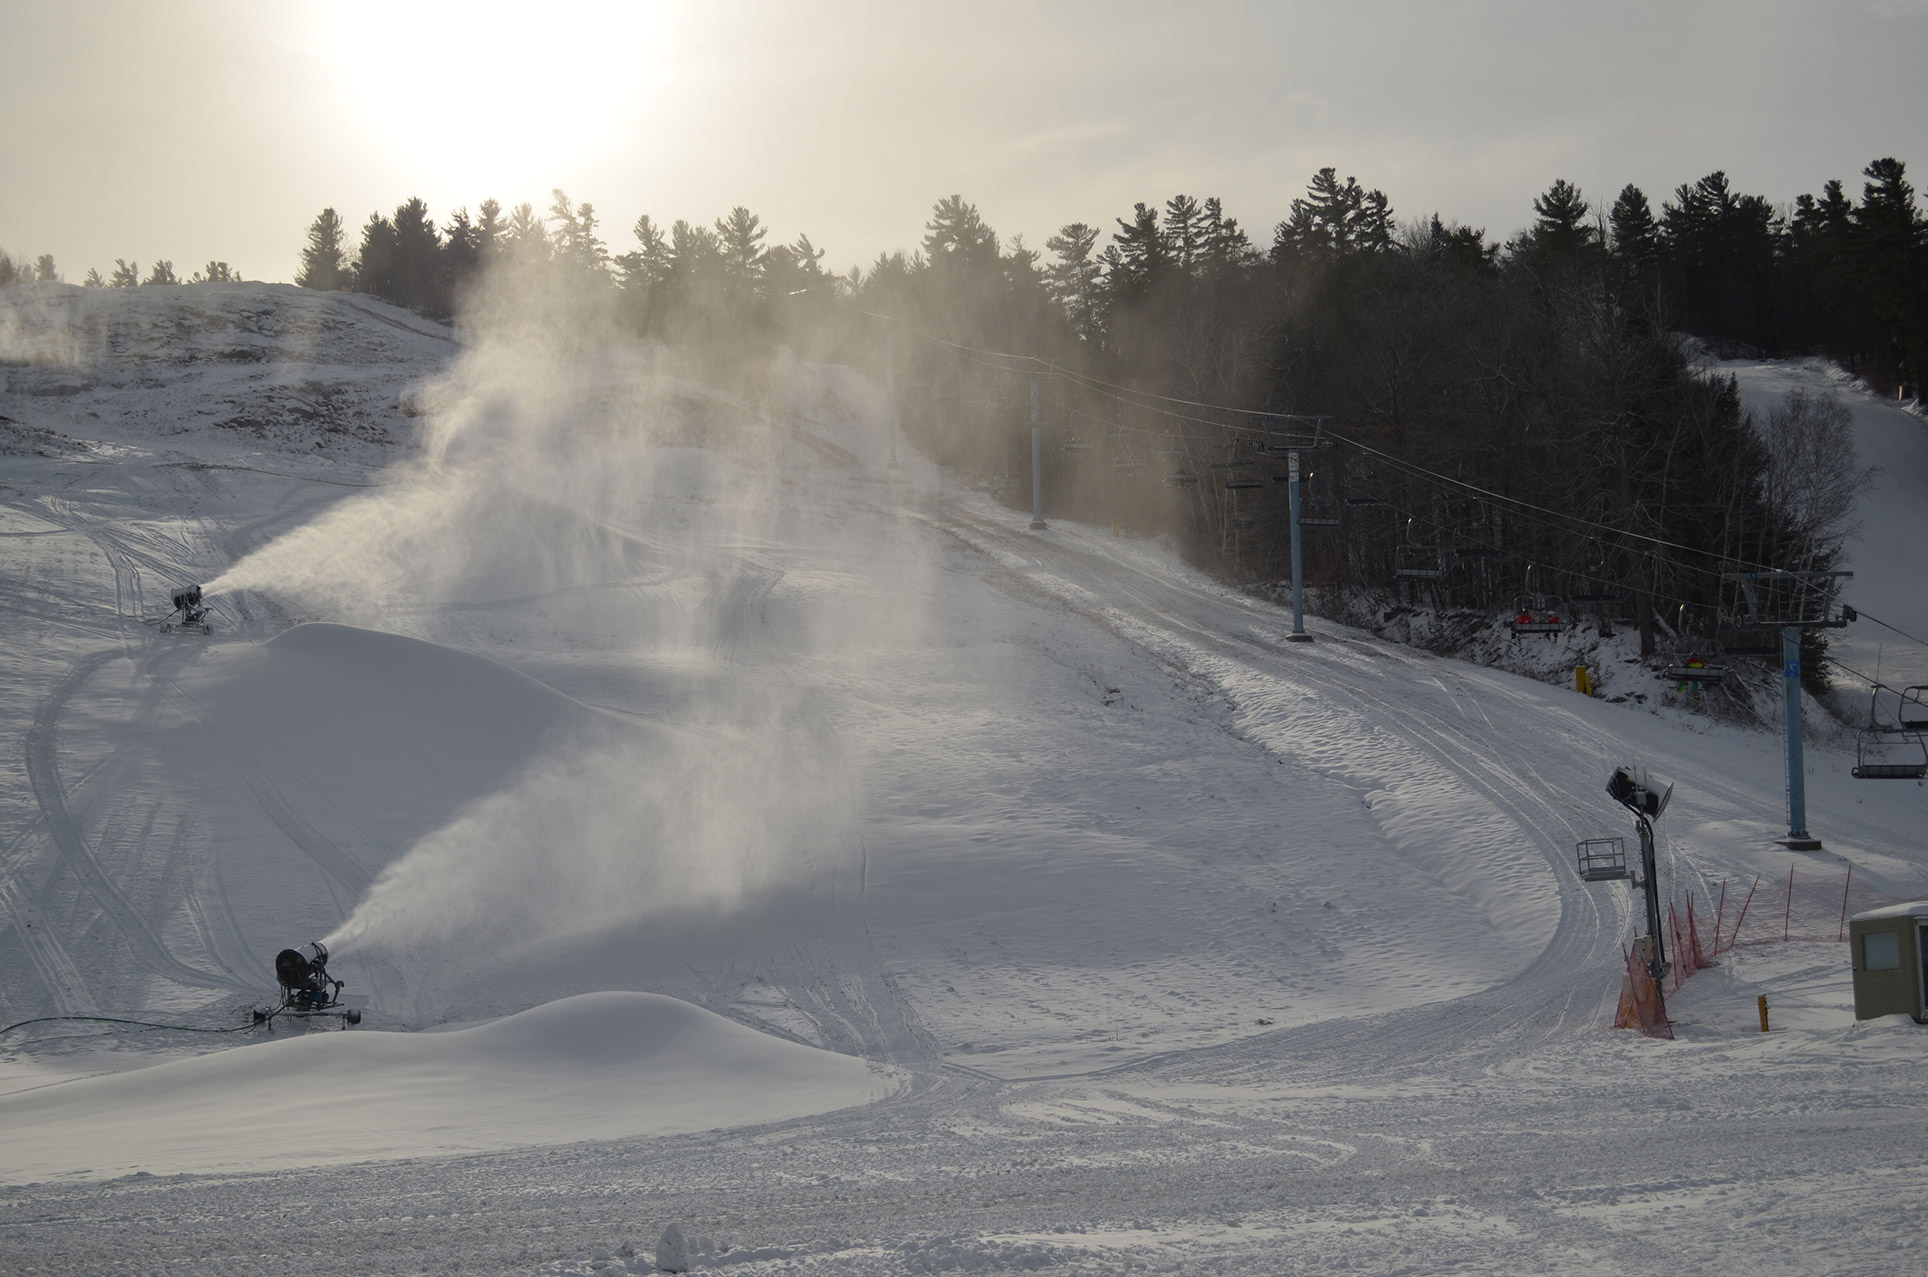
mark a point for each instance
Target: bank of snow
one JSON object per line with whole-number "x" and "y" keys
{"x": 597, "y": 1066}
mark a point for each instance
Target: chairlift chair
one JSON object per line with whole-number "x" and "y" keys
{"x": 1417, "y": 562}
{"x": 1182, "y": 479}
{"x": 1602, "y": 859}
{"x": 1695, "y": 668}
{"x": 1537, "y": 614}
{"x": 1077, "y": 444}
{"x": 1235, "y": 482}
{"x": 1912, "y": 713}
{"x": 1884, "y": 755}
{"x": 1898, "y": 752}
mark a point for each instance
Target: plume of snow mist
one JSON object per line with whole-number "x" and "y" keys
{"x": 542, "y": 443}
{"x": 619, "y": 825}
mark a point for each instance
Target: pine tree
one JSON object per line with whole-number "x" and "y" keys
{"x": 1889, "y": 244}
{"x": 163, "y": 273}
{"x": 376, "y": 265}
{"x": 215, "y": 273}
{"x": 1138, "y": 257}
{"x": 461, "y": 250}
{"x": 44, "y": 269}
{"x": 1636, "y": 236}
{"x": 792, "y": 268}
{"x": 1561, "y": 234}
{"x": 739, "y": 241}
{"x": 489, "y": 230}
{"x": 524, "y": 236}
{"x": 1076, "y": 278}
{"x": 9, "y": 273}
{"x": 420, "y": 279}
{"x": 321, "y": 260}
{"x": 957, "y": 238}
{"x": 576, "y": 242}
{"x": 648, "y": 264}
{"x": 1334, "y": 219}
{"x": 1184, "y": 231}
{"x": 126, "y": 274}
{"x": 1225, "y": 245}
{"x": 93, "y": 279}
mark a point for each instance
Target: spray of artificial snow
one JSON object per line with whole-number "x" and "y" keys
{"x": 563, "y": 471}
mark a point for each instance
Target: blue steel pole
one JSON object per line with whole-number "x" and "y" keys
{"x": 1037, "y": 463}
{"x": 1298, "y": 634}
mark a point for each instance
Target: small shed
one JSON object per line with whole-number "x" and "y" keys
{"x": 1890, "y": 954}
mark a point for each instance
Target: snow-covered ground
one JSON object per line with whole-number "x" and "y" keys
{"x": 1024, "y": 900}
{"x": 1889, "y": 553}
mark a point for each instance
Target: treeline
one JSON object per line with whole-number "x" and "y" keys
{"x": 717, "y": 288}
{"x": 126, "y": 274}
{"x": 1518, "y": 411}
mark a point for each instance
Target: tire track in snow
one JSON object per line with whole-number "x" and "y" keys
{"x": 43, "y": 777}
{"x": 1571, "y": 974}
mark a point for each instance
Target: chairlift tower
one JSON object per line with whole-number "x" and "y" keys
{"x": 890, "y": 388}
{"x": 1037, "y": 462}
{"x": 1792, "y": 602}
{"x": 1298, "y": 634}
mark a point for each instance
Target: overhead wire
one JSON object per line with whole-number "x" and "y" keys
{"x": 1152, "y": 401}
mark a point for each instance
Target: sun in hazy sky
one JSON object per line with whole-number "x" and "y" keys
{"x": 218, "y": 128}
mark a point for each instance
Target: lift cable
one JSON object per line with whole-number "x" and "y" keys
{"x": 1151, "y": 401}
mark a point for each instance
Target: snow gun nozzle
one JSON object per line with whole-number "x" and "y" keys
{"x": 188, "y": 596}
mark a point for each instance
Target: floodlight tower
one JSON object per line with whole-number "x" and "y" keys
{"x": 1633, "y": 789}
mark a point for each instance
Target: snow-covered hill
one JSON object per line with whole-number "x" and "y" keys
{"x": 1170, "y": 943}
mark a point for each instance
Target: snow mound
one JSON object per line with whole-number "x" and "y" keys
{"x": 395, "y": 730}
{"x": 597, "y": 1066}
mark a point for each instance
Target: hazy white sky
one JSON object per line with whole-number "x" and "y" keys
{"x": 218, "y": 129}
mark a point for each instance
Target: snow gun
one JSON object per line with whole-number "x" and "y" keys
{"x": 193, "y": 613}
{"x": 306, "y": 987}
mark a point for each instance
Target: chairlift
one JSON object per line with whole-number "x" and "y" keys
{"x": 1912, "y": 713}
{"x": 1417, "y": 562}
{"x": 1077, "y": 444}
{"x": 1182, "y": 479}
{"x": 1238, "y": 481}
{"x": 1754, "y": 640}
{"x": 1361, "y": 499}
{"x": 1535, "y": 612}
{"x": 1695, "y": 670}
{"x": 1127, "y": 467}
{"x": 1602, "y": 859}
{"x": 1884, "y": 755}
{"x": 1792, "y": 600}
{"x": 1900, "y": 752}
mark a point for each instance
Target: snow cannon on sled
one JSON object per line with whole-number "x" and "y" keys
{"x": 306, "y": 987}
{"x": 188, "y": 607}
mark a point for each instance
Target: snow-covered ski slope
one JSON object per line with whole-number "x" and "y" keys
{"x": 1066, "y": 916}
{"x": 1889, "y": 551}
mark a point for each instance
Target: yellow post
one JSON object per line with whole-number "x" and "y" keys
{"x": 1763, "y": 1004}
{"x": 1582, "y": 680}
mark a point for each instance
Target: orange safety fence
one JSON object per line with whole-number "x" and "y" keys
{"x": 1806, "y": 906}
{"x": 1641, "y": 1006}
